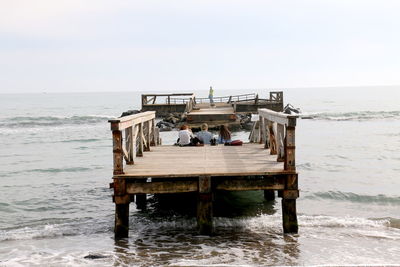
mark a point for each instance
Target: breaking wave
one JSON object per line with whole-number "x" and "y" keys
{"x": 51, "y": 121}
{"x": 354, "y": 116}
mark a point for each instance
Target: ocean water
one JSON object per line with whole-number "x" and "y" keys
{"x": 56, "y": 207}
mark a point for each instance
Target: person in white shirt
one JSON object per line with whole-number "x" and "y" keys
{"x": 184, "y": 136}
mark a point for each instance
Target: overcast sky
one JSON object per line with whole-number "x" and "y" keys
{"x": 98, "y": 45}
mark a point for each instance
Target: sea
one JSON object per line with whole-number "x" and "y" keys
{"x": 56, "y": 207}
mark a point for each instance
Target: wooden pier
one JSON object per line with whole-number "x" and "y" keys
{"x": 151, "y": 168}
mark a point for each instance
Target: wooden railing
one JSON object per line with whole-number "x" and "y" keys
{"x": 167, "y": 99}
{"x": 187, "y": 99}
{"x": 132, "y": 135}
{"x": 277, "y": 132}
{"x": 228, "y": 99}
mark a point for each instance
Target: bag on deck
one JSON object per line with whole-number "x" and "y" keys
{"x": 236, "y": 143}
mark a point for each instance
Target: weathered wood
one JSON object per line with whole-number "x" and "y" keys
{"x": 129, "y": 145}
{"x": 117, "y": 152}
{"x": 122, "y": 123}
{"x": 140, "y": 150}
{"x": 121, "y": 229}
{"x": 290, "y": 147}
{"x": 289, "y": 216}
{"x": 147, "y": 136}
{"x": 272, "y": 139}
{"x": 290, "y": 194}
{"x": 174, "y": 161}
{"x": 204, "y": 206}
{"x": 162, "y": 187}
{"x": 246, "y": 184}
{"x": 153, "y": 138}
{"x": 280, "y": 135}
{"x": 278, "y": 117}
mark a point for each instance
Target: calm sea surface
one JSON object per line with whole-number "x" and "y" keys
{"x": 56, "y": 208}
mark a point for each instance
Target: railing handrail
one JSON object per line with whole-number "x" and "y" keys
{"x": 122, "y": 123}
{"x": 151, "y": 99}
{"x": 139, "y": 132}
{"x": 277, "y": 131}
{"x": 278, "y": 117}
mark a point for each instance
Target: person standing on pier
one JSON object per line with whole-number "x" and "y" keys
{"x": 211, "y": 96}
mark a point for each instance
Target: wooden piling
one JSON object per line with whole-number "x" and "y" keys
{"x": 121, "y": 220}
{"x": 204, "y": 206}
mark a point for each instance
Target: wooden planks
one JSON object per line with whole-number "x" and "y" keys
{"x": 174, "y": 161}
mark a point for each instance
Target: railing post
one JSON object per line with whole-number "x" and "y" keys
{"x": 129, "y": 144}
{"x": 153, "y": 140}
{"x": 147, "y": 136}
{"x": 290, "y": 145}
{"x": 140, "y": 133}
{"x": 280, "y": 135}
{"x": 117, "y": 152}
{"x": 271, "y": 138}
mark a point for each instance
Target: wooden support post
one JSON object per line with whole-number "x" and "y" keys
{"x": 289, "y": 196}
{"x": 147, "y": 137}
{"x": 204, "y": 206}
{"x": 280, "y": 136}
{"x": 153, "y": 139}
{"x": 261, "y": 130}
{"x": 121, "y": 229}
{"x": 272, "y": 139}
{"x": 141, "y": 201}
{"x": 289, "y": 216}
{"x": 269, "y": 194}
{"x": 290, "y": 146}
{"x": 129, "y": 145}
{"x": 117, "y": 153}
{"x": 140, "y": 133}
{"x": 121, "y": 200}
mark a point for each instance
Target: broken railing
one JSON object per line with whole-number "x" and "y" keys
{"x": 132, "y": 135}
{"x": 276, "y": 131}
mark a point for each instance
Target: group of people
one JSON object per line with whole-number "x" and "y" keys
{"x": 203, "y": 137}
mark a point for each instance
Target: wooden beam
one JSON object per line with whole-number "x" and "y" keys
{"x": 204, "y": 206}
{"x": 249, "y": 184}
{"x": 162, "y": 187}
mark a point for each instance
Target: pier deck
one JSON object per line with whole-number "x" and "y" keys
{"x": 150, "y": 168}
{"x": 175, "y": 161}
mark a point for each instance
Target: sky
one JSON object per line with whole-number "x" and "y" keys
{"x": 98, "y": 45}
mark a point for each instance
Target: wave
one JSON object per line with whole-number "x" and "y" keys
{"x": 51, "y": 121}
{"x": 353, "y": 116}
{"x": 353, "y": 197}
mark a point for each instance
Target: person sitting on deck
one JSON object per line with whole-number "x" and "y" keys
{"x": 204, "y": 135}
{"x": 186, "y": 137}
{"x": 224, "y": 135}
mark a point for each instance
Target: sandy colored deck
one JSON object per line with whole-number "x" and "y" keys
{"x": 174, "y": 161}
{"x": 213, "y": 111}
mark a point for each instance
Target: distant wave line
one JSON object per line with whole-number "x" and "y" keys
{"x": 353, "y": 116}
{"x": 49, "y": 121}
